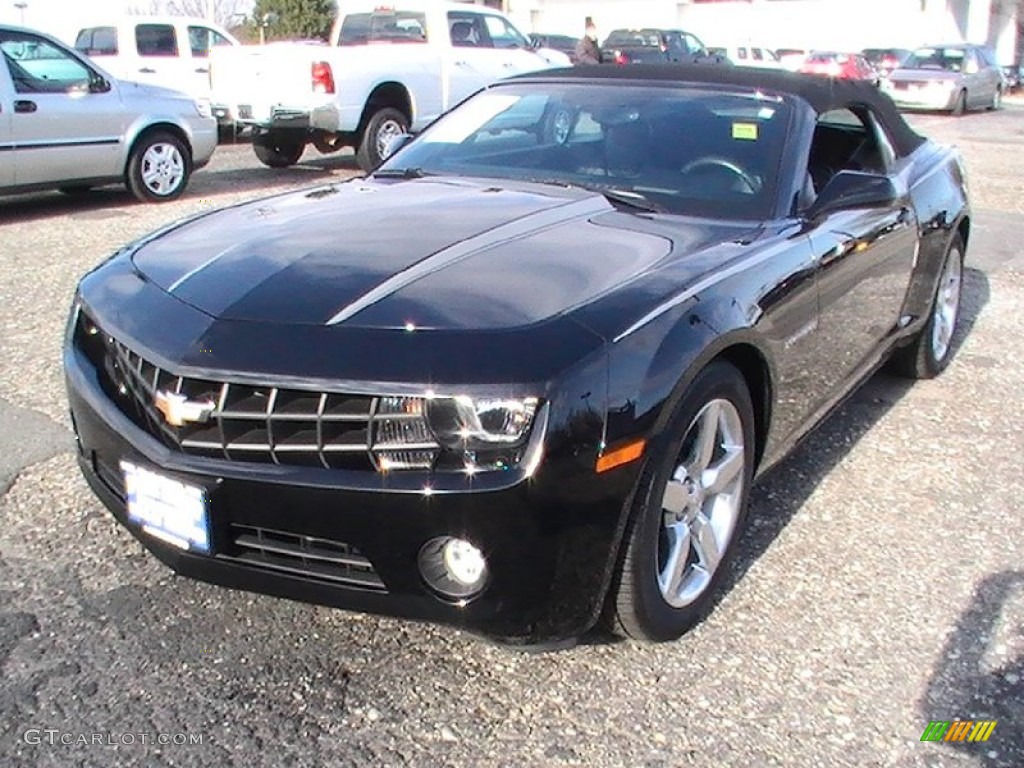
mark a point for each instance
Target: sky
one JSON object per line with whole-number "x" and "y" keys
{"x": 63, "y": 18}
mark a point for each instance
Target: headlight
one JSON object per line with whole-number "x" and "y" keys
{"x": 203, "y": 108}
{"x": 455, "y": 433}
{"x": 467, "y": 424}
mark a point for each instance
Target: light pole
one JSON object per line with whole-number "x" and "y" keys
{"x": 21, "y": 7}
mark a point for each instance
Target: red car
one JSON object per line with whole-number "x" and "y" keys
{"x": 845, "y": 66}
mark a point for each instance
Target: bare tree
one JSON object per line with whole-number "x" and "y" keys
{"x": 220, "y": 11}
{"x": 145, "y": 9}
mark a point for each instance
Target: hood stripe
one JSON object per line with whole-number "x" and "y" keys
{"x": 513, "y": 230}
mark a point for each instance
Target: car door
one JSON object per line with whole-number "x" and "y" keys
{"x": 6, "y": 146}
{"x": 866, "y": 255}
{"x": 159, "y": 57}
{"x": 66, "y": 121}
{"x": 201, "y": 40}
{"x": 512, "y": 52}
{"x": 472, "y": 62}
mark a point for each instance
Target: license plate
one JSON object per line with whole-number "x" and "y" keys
{"x": 167, "y": 509}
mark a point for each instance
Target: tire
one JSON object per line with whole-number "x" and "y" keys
{"x": 328, "y": 144}
{"x": 382, "y": 125}
{"x": 929, "y": 353}
{"x": 646, "y": 603}
{"x": 960, "y": 105}
{"x": 158, "y": 168}
{"x": 997, "y": 100}
{"x": 279, "y": 149}
{"x": 557, "y": 125}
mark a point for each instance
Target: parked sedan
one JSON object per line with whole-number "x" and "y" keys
{"x": 66, "y": 124}
{"x": 530, "y": 385}
{"x": 844, "y": 66}
{"x": 953, "y": 78}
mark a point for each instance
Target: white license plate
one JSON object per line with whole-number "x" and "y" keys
{"x": 167, "y": 509}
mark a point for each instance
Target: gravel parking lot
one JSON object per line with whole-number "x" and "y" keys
{"x": 880, "y": 585}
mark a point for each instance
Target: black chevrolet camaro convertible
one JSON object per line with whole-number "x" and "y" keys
{"x": 521, "y": 378}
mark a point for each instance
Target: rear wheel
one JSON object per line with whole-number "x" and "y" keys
{"x": 279, "y": 149}
{"x": 159, "y": 168}
{"x": 690, "y": 506}
{"x": 932, "y": 349}
{"x": 383, "y": 126}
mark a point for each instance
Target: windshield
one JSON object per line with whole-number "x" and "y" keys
{"x": 949, "y": 59}
{"x": 679, "y": 149}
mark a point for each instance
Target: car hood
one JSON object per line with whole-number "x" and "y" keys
{"x": 431, "y": 253}
{"x": 922, "y": 75}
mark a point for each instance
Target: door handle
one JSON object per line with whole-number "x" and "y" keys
{"x": 25, "y": 106}
{"x": 147, "y": 71}
{"x": 202, "y": 71}
{"x": 508, "y": 65}
{"x": 460, "y": 63}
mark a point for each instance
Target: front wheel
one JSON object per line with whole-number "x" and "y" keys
{"x": 930, "y": 352}
{"x": 159, "y": 168}
{"x": 279, "y": 149}
{"x": 688, "y": 511}
{"x": 383, "y": 126}
{"x": 960, "y": 105}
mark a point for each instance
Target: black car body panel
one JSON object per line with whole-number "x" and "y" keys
{"x": 489, "y": 287}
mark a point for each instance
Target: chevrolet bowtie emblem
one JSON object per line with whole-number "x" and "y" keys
{"x": 178, "y": 410}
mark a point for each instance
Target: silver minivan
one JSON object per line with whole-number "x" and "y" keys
{"x": 953, "y": 78}
{"x": 66, "y": 124}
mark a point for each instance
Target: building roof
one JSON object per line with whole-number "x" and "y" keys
{"x": 823, "y": 94}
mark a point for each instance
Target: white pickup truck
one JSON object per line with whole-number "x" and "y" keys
{"x": 389, "y": 70}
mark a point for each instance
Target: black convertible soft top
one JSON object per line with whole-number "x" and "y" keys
{"x": 822, "y": 93}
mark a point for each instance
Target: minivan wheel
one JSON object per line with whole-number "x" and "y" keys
{"x": 158, "y": 168}
{"x": 689, "y": 509}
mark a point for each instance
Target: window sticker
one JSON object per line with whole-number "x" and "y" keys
{"x": 744, "y": 131}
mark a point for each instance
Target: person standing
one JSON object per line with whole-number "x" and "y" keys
{"x": 587, "y": 49}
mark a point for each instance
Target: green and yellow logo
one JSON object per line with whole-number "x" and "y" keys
{"x": 958, "y": 730}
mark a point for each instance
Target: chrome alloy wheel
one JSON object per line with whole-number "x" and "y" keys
{"x": 389, "y": 129}
{"x": 702, "y": 503}
{"x": 947, "y": 306}
{"x": 163, "y": 169}
{"x": 561, "y": 126}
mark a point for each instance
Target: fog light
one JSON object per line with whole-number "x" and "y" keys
{"x": 453, "y": 567}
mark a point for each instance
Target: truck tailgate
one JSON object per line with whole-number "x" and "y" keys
{"x": 264, "y": 76}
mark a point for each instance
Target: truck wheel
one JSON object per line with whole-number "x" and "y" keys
{"x": 383, "y": 125}
{"x": 328, "y": 143}
{"x": 278, "y": 150}
{"x": 158, "y": 168}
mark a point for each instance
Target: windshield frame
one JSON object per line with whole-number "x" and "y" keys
{"x": 774, "y": 197}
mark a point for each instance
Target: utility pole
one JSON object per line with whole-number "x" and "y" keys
{"x": 21, "y": 7}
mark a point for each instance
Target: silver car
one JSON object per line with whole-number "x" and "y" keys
{"x": 953, "y": 78}
{"x": 66, "y": 124}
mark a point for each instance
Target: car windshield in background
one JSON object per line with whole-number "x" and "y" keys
{"x": 383, "y": 27}
{"x": 949, "y": 59}
{"x": 633, "y": 38}
{"x": 679, "y": 150}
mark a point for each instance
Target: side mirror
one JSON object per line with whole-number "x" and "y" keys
{"x": 854, "y": 189}
{"x": 533, "y": 43}
{"x": 395, "y": 143}
{"x": 99, "y": 85}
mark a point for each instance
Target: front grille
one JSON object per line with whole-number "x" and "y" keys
{"x": 264, "y": 424}
{"x": 308, "y": 556}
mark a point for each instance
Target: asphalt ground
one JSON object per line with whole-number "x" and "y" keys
{"x": 880, "y": 583}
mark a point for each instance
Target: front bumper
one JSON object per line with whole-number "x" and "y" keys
{"x": 551, "y": 541}
{"x": 923, "y": 98}
{"x": 204, "y": 141}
